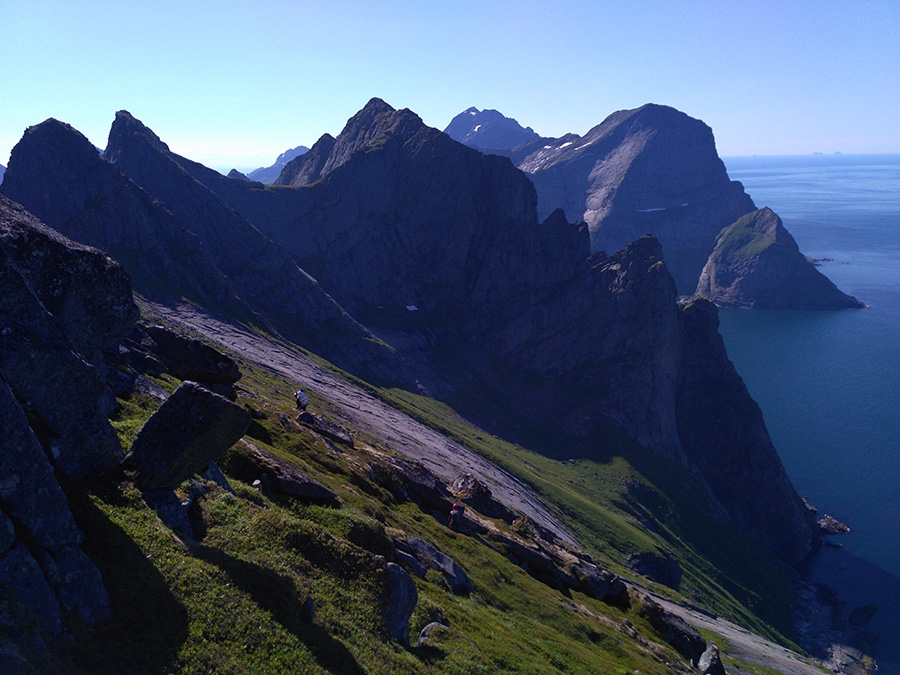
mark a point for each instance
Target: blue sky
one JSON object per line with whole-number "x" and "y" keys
{"x": 235, "y": 83}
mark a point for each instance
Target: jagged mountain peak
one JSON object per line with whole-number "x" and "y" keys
{"x": 126, "y": 125}
{"x": 372, "y": 127}
{"x": 488, "y": 129}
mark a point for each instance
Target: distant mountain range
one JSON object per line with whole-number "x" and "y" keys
{"x": 269, "y": 174}
{"x": 655, "y": 170}
{"x": 2, "y": 171}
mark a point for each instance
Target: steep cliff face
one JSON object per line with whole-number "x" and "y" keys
{"x": 722, "y": 429}
{"x": 756, "y": 263}
{"x": 653, "y": 170}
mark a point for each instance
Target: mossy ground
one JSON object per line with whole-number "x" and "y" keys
{"x": 230, "y": 603}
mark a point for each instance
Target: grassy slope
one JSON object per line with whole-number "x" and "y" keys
{"x": 230, "y": 603}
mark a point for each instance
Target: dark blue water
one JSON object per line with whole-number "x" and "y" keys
{"x": 829, "y": 382}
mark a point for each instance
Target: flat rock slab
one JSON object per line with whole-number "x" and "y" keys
{"x": 191, "y": 429}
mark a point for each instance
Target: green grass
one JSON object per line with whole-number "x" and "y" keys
{"x": 742, "y": 240}
{"x": 231, "y": 602}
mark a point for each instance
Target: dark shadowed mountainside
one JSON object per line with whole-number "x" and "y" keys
{"x": 438, "y": 250}
{"x": 178, "y": 240}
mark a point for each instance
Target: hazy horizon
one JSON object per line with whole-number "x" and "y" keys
{"x": 234, "y": 84}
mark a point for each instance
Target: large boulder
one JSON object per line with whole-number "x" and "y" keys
{"x": 189, "y": 359}
{"x": 191, "y": 429}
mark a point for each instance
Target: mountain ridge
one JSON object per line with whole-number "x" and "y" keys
{"x": 655, "y": 170}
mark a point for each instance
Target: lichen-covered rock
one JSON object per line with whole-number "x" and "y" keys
{"x": 757, "y": 264}
{"x": 191, "y": 429}
{"x": 402, "y": 600}
{"x": 20, "y": 572}
{"x": 710, "y": 662}
{"x": 29, "y": 492}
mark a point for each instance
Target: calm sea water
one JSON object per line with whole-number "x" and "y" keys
{"x": 829, "y": 382}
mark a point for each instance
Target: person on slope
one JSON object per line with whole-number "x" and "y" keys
{"x": 453, "y": 522}
{"x": 301, "y": 399}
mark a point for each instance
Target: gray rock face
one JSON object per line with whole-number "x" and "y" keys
{"x": 488, "y": 129}
{"x": 401, "y": 603}
{"x": 757, "y": 264}
{"x": 653, "y": 170}
{"x": 191, "y": 429}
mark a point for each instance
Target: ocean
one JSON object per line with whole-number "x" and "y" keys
{"x": 829, "y": 382}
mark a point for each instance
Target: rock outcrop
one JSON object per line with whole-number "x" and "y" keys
{"x": 757, "y": 264}
{"x": 61, "y": 304}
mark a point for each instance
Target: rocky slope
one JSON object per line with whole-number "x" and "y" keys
{"x": 438, "y": 249}
{"x": 756, "y": 263}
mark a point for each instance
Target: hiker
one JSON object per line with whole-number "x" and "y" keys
{"x": 455, "y": 517}
{"x": 301, "y": 399}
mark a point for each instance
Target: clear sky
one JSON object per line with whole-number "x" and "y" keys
{"x": 234, "y": 83}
